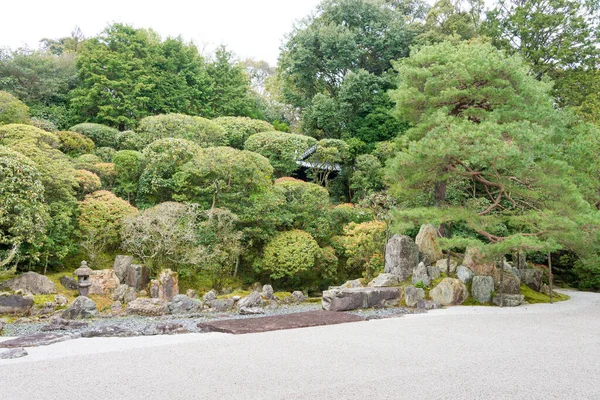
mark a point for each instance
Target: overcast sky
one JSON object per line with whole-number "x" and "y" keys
{"x": 251, "y": 28}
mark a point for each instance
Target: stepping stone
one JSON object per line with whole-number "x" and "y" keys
{"x": 279, "y": 322}
{"x": 37, "y": 339}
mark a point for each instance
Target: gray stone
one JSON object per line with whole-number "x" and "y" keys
{"x": 511, "y": 284}
{"x": 61, "y": 300}
{"x": 476, "y": 261}
{"x": 116, "y": 307}
{"x": 354, "y": 298}
{"x": 121, "y": 265}
{"x": 48, "y": 308}
{"x": 37, "y": 339}
{"x": 509, "y": 300}
{"x": 15, "y": 304}
{"x": 181, "y": 304}
{"x": 464, "y": 274}
{"x": 420, "y": 275}
{"x": 442, "y": 264}
{"x": 68, "y": 282}
{"x": 30, "y": 282}
{"x": 298, "y": 297}
{"x": 412, "y": 295}
{"x": 221, "y": 305}
{"x": 449, "y": 292}
{"x": 428, "y": 305}
{"x": 256, "y": 286}
{"x": 110, "y": 331}
{"x": 1, "y": 327}
{"x": 532, "y": 278}
{"x": 352, "y": 284}
{"x": 401, "y": 256}
{"x": 482, "y": 288}
{"x": 267, "y": 292}
{"x": 166, "y": 286}
{"x": 210, "y": 296}
{"x": 545, "y": 289}
{"x": 252, "y": 300}
{"x": 148, "y": 307}
{"x": 60, "y": 324}
{"x": 251, "y": 311}
{"x": 191, "y": 293}
{"x": 124, "y": 294}
{"x": 138, "y": 276}
{"x": 8, "y": 354}
{"x": 103, "y": 282}
{"x": 429, "y": 248}
{"x": 168, "y": 328}
{"x": 433, "y": 272}
{"x": 82, "y": 307}
{"x": 385, "y": 280}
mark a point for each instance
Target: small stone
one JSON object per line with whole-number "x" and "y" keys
{"x": 428, "y": 305}
{"x": 109, "y": 331}
{"x": 420, "y": 275}
{"x": 385, "y": 280}
{"x": 82, "y": 307}
{"x": 68, "y": 282}
{"x": 168, "y": 328}
{"x": 148, "y": 307}
{"x": 464, "y": 274}
{"x": 182, "y": 304}
{"x": 509, "y": 300}
{"x": 433, "y": 272}
{"x": 116, "y": 307}
{"x": 61, "y": 300}
{"x": 298, "y": 297}
{"x": 412, "y": 295}
{"x": 9, "y": 354}
{"x": 251, "y": 311}
{"x": 210, "y": 296}
{"x": 221, "y": 305}
{"x": 267, "y": 292}
{"x": 252, "y": 300}
{"x": 191, "y": 293}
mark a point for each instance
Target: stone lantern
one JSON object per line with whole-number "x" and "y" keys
{"x": 83, "y": 279}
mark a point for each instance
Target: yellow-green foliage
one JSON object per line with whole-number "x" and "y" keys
{"x": 74, "y": 144}
{"x": 240, "y": 128}
{"x": 290, "y": 253}
{"x": 12, "y": 110}
{"x": 533, "y": 297}
{"x": 241, "y": 293}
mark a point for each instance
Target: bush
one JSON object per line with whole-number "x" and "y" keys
{"x": 363, "y": 246}
{"x": 87, "y": 161}
{"x": 102, "y": 135}
{"x": 107, "y": 174}
{"x": 88, "y": 182}
{"x": 130, "y": 140}
{"x": 74, "y": 144}
{"x": 290, "y": 254}
{"x": 239, "y": 129}
{"x": 129, "y": 165}
{"x": 199, "y": 130}
{"x": 282, "y": 149}
{"x": 12, "y": 110}
{"x": 14, "y": 133}
{"x": 44, "y": 124}
{"x": 105, "y": 153}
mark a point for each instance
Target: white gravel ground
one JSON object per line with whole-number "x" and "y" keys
{"x": 531, "y": 352}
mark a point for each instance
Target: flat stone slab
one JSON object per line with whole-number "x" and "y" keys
{"x": 8, "y": 354}
{"x": 279, "y": 322}
{"x": 364, "y": 297}
{"x": 37, "y": 339}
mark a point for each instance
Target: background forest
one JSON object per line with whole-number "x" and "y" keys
{"x": 381, "y": 115}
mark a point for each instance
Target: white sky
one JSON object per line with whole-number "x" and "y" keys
{"x": 250, "y": 28}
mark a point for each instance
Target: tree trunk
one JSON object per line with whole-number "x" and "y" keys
{"x": 439, "y": 198}
{"x": 550, "y": 274}
{"x": 448, "y": 265}
{"x": 501, "y": 285}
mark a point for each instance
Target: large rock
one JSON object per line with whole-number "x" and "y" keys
{"x": 181, "y": 304}
{"x": 220, "y": 305}
{"x": 104, "y": 282}
{"x": 401, "y": 256}
{"x": 121, "y": 265}
{"x": 351, "y": 284}
{"x": 475, "y": 261}
{"x": 509, "y": 300}
{"x": 482, "y": 288}
{"x": 442, "y": 264}
{"x": 15, "y": 304}
{"x": 426, "y": 240}
{"x": 250, "y": 301}
{"x": 449, "y": 292}
{"x": 166, "y": 328}
{"x": 532, "y": 278}
{"x": 30, "y": 282}
{"x": 420, "y": 275}
{"x": 412, "y": 295}
{"x": 83, "y": 307}
{"x": 433, "y": 272}
{"x": 267, "y": 292}
{"x": 298, "y": 297}
{"x": 351, "y": 299}
{"x": 385, "y": 280}
{"x": 210, "y": 296}
{"x": 138, "y": 276}
{"x": 464, "y": 274}
{"x": 510, "y": 284}
{"x": 124, "y": 294}
{"x": 68, "y": 282}
{"x": 61, "y": 300}
{"x": 148, "y": 307}
{"x": 166, "y": 286}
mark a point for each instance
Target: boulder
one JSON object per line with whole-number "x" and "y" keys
{"x": 166, "y": 286}
{"x": 60, "y": 324}
{"x": 545, "y": 289}
{"x": 121, "y": 265}
{"x": 429, "y": 248}
{"x": 81, "y": 308}
{"x": 167, "y": 328}
{"x": 401, "y": 256}
{"x": 433, "y": 272}
{"x": 110, "y": 331}
{"x": 148, "y": 307}
{"x": 181, "y": 304}
{"x": 16, "y": 304}
{"x": 449, "y": 292}
{"x": 30, "y": 283}
{"x": 251, "y": 311}
{"x": 48, "y": 308}
{"x": 252, "y": 300}
{"x": 68, "y": 282}
{"x": 298, "y": 297}
{"x": 221, "y": 305}
{"x": 475, "y": 261}
{"x": 532, "y": 278}
{"x": 509, "y": 300}
{"x": 267, "y": 292}
{"x": 61, "y": 300}
{"x": 354, "y": 298}
{"x": 116, "y": 307}
{"x": 352, "y": 284}
{"x": 412, "y": 295}
{"x": 510, "y": 284}
{"x": 104, "y": 282}
{"x": 124, "y": 294}
{"x": 442, "y": 264}
{"x": 428, "y": 305}
{"x": 464, "y": 274}
{"x": 191, "y": 293}
{"x": 420, "y": 275}
{"x": 482, "y": 288}
{"x": 137, "y": 276}
{"x": 210, "y": 296}
{"x": 385, "y": 280}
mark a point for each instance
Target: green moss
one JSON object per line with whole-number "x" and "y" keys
{"x": 241, "y": 293}
{"x": 533, "y": 297}
{"x": 315, "y": 300}
{"x": 41, "y": 299}
{"x": 282, "y": 295}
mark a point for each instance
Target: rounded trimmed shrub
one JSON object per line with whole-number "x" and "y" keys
{"x": 239, "y": 129}
{"x": 102, "y": 135}
{"x": 74, "y": 144}
{"x": 282, "y": 149}
{"x": 105, "y": 153}
{"x": 199, "y": 130}
{"x": 88, "y": 181}
{"x": 12, "y": 110}
{"x": 289, "y": 254}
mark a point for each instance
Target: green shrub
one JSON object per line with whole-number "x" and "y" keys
{"x": 14, "y": 133}
{"x": 74, "y": 144}
{"x": 44, "y": 124}
{"x": 239, "y": 129}
{"x": 105, "y": 153}
{"x": 199, "y": 130}
{"x": 130, "y": 140}
{"x": 88, "y": 182}
{"x": 102, "y": 135}
{"x": 290, "y": 254}
{"x": 282, "y": 149}
{"x": 12, "y": 110}
{"x": 129, "y": 165}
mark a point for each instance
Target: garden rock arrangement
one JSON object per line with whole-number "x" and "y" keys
{"x": 364, "y": 297}
{"x": 30, "y": 283}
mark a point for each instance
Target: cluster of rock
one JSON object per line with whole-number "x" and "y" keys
{"x": 424, "y": 263}
{"x": 16, "y": 295}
